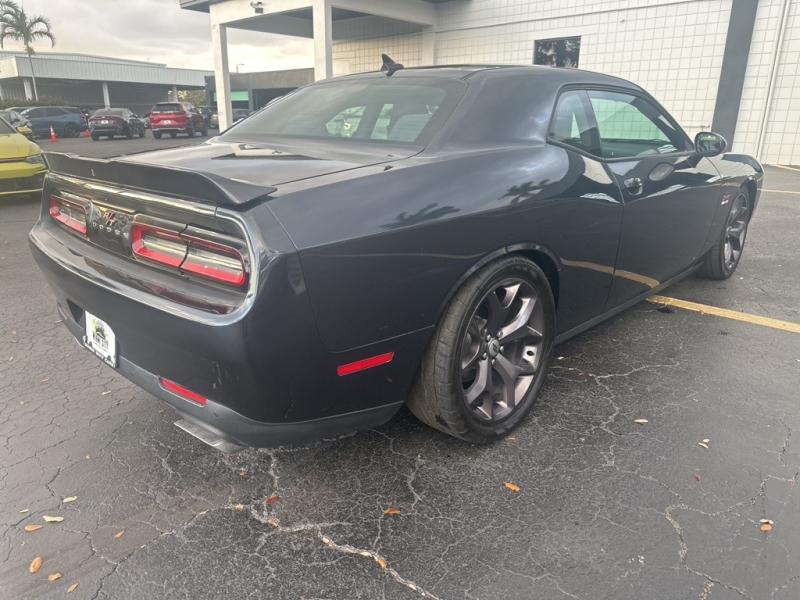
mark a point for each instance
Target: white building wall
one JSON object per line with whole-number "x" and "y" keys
{"x": 359, "y": 43}
{"x": 781, "y": 143}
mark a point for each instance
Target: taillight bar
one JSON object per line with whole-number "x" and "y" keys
{"x": 68, "y": 213}
{"x": 189, "y": 253}
{"x": 186, "y": 393}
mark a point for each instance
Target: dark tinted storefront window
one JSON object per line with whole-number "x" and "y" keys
{"x": 562, "y": 52}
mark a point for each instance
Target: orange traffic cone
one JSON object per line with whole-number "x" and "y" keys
{"x": 53, "y": 135}
{"x": 87, "y": 134}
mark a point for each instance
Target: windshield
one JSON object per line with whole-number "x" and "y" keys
{"x": 407, "y": 110}
{"x": 5, "y": 128}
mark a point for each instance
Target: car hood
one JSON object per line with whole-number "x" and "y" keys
{"x": 14, "y": 145}
{"x": 270, "y": 164}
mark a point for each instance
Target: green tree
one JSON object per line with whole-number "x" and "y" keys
{"x": 16, "y": 25}
{"x": 196, "y": 97}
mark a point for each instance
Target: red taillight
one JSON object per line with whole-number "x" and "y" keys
{"x": 189, "y": 253}
{"x": 68, "y": 213}
{"x": 182, "y": 391}
{"x": 366, "y": 363}
{"x": 157, "y": 244}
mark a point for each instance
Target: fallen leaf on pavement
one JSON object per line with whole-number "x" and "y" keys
{"x": 36, "y": 564}
{"x": 70, "y": 499}
{"x": 54, "y": 576}
{"x": 24, "y": 510}
{"x": 45, "y": 380}
{"x": 72, "y": 588}
{"x": 697, "y": 476}
{"x": 766, "y": 527}
{"x": 392, "y": 510}
{"x": 53, "y": 519}
{"x": 33, "y": 527}
{"x": 381, "y": 562}
{"x": 770, "y": 521}
{"x": 238, "y": 507}
{"x": 640, "y": 421}
{"x": 271, "y": 499}
{"x": 511, "y": 438}
{"x": 703, "y": 445}
{"x": 162, "y": 411}
{"x": 106, "y": 393}
{"x": 22, "y": 401}
{"x": 272, "y": 522}
{"x": 88, "y": 456}
{"x": 242, "y": 473}
{"x": 705, "y": 441}
{"x": 119, "y": 535}
{"x": 513, "y": 487}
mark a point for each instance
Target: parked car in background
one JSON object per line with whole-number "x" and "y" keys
{"x": 22, "y": 169}
{"x": 19, "y": 122}
{"x": 110, "y": 122}
{"x": 145, "y": 118}
{"x": 238, "y": 114}
{"x": 66, "y": 121}
{"x": 207, "y": 112}
{"x": 176, "y": 117}
{"x": 213, "y": 121}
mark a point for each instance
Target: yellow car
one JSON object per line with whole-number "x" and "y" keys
{"x": 22, "y": 167}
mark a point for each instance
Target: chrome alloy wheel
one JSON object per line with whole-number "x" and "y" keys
{"x": 502, "y": 350}
{"x": 736, "y": 232}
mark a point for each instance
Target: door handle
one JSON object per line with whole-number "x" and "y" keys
{"x": 633, "y": 185}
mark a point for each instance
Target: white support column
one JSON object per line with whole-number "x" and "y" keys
{"x": 323, "y": 40}
{"x": 28, "y": 89}
{"x": 106, "y": 99}
{"x": 428, "y": 47}
{"x": 222, "y": 75}
{"x": 174, "y": 93}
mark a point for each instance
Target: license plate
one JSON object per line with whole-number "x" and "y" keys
{"x": 167, "y": 122}
{"x": 100, "y": 339}
{"x": 104, "y": 122}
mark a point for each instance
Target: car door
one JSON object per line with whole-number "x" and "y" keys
{"x": 669, "y": 192}
{"x": 37, "y": 118}
{"x": 56, "y": 117}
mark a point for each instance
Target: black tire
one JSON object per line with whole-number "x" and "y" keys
{"x": 722, "y": 260}
{"x": 173, "y": 135}
{"x": 157, "y": 135}
{"x": 143, "y": 132}
{"x": 204, "y": 130}
{"x": 111, "y": 136}
{"x": 190, "y": 132}
{"x": 438, "y": 396}
{"x": 71, "y": 130}
{"x": 95, "y": 137}
{"x": 129, "y": 133}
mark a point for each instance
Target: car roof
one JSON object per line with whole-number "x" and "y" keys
{"x": 558, "y": 75}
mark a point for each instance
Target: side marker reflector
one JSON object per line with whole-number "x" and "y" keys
{"x": 182, "y": 391}
{"x": 367, "y": 363}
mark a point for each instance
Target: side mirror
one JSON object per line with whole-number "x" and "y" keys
{"x": 709, "y": 144}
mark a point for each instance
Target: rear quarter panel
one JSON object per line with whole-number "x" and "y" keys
{"x": 383, "y": 251}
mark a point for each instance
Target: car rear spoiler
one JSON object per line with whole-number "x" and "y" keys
{"x": 207, "y": 188}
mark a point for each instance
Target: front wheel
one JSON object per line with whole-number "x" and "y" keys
{"x": 72, "y": 130}
{"x": 724, "y": 257}
{"x": 489, "y": 356}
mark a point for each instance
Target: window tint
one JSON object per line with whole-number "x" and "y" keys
{"x": 167, "y": 108}
{"x": 385, "y": 109}
{"x": 54, "y": 112}
{"x": 34, "y": 113}
{"x": 572, "y": 124}
{"x": 562, "y": 52}
{"x": 632, "y": 126}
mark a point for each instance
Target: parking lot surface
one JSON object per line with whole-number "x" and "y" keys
{"x": 86, "y": 146}
{"x": 607, "y": 508}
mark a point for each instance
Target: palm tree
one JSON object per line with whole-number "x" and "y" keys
{"x": 17, "y": 26}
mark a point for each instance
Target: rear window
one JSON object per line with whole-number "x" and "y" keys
{"x": 109, "y": 112}
{"x": 167, "y": 108}
{"x": 403, "y": 110}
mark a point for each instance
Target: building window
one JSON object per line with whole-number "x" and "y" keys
{"x": 562, "y": 52}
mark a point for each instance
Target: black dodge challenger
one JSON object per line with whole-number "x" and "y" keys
{"x": 415, "y": 235}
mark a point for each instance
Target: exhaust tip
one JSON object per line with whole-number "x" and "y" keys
{"x": 208, "y": 437}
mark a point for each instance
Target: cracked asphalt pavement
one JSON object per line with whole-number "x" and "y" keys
{"x": 607, "y": 508}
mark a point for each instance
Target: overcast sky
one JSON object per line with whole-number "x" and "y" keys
{"x": 160, "y": 31}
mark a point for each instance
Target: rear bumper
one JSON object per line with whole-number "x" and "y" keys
{"x": 106, "y": 130}
{"x": 237, "y": 428}
{"x": 170, "y": 128}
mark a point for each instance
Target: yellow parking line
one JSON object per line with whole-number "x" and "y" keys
{"x": 785, "y": 167}
{"x": 781, "y": 191}
{"x": 728, "y": 314}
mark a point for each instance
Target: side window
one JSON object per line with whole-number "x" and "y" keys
{"x": 572, "y": 124}
{"x": 631, "y": 126}
{"x": 54, "y": 112}
{"x": 35, "y": 113}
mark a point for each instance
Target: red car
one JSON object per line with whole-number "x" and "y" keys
{"x": 176, "y": 117}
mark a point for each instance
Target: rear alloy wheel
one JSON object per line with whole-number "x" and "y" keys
{"x": 489, "y": 356}
{"x": 157, "y": 135}
{"x": 95, "y": 137}
{"x": 724, "y": 257}
{"x": 72, "y": 130}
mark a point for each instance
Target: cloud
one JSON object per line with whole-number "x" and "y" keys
{"x": 161, "y": 32}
